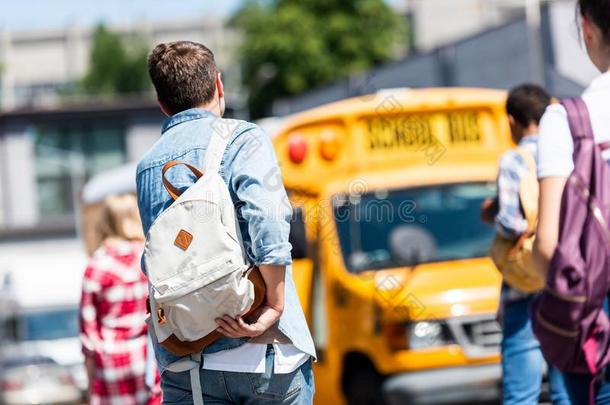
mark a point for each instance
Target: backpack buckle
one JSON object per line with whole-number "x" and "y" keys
{"x": 161, "y": 316}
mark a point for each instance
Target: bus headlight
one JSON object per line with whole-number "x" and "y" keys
{"x": 425, "y": 334}
{"x": 417, "y": 335}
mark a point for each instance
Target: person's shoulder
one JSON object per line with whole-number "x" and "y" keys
{"x": 556, "y": 108}
{"x": 242, "y": 127}
{"x": 151, "y": 158}
{"x": 143, "y": 164}
{"x": 554, "y": 127}
{"x": 178, "y": 140}
{"x": 236, "y": 123}
{"x": 102, "y": 263}
{"x": 510, "y": 158}
{"x": 555, "y": 114}
{"x": 246, "y": 131}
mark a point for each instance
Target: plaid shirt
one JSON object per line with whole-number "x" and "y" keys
{"x": 510, "y": 221}
{"x": 113, "y": 328}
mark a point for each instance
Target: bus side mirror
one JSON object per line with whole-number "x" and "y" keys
{"x": 298, "y": 238}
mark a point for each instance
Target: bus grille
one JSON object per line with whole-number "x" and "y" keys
{"x": 478, "y": 336}
{"x": 486, "y": 334}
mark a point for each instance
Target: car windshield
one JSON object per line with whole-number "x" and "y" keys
{"x": 394, "y": 228}
{"x": 49, "y": 325}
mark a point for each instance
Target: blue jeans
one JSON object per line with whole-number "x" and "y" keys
{"x": 578, "y": 386}
{"x": 522, "y": 361}
{"x": 223, "y": 387}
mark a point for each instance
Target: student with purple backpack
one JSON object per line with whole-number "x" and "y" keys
{"x": 572, "y": 247}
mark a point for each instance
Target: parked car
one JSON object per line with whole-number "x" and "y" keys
{"x": 39, "y": 298}
{"x": 36, "y": 380}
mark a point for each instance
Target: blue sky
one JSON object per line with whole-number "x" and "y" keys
{"x": 29, "y": 14}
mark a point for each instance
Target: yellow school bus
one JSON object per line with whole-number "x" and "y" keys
{"x": 390, "y": 254}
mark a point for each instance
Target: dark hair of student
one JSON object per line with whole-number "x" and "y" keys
{"x": 526, "y": 104}
{"x": 598, "y": 11}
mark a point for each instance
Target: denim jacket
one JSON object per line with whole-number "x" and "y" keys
{"x": 250, "y": 169}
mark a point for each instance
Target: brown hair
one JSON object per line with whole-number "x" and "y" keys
{"x": 183, "y": 73}
{"x": 120, "y": 219}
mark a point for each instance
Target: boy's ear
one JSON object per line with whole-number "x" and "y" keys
{"x": 164, "y": 109}
{"x": 220, "y": 85}
{"x": 511, "y": 120}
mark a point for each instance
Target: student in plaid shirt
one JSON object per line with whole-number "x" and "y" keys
{"x": 113, "y": 311}
{"x": 522, "y": 361}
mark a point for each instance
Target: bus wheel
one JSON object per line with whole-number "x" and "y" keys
{"x": 363, "y": 387}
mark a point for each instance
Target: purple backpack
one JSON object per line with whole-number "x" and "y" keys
{"x": 568, "y": 316}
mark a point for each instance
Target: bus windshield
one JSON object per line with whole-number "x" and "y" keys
{"x": 395, "y": 228}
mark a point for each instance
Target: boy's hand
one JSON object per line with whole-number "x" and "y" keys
{"x": 489, "y": 210}
{"x": 267, "y": 315}
{"x": 238, "y": 327}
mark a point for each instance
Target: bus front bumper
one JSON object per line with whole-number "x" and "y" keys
{"x": 472, "y": 384}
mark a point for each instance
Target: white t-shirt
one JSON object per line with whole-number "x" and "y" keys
{"x": 250, "y": 358}
{"x": 555, "y": 145}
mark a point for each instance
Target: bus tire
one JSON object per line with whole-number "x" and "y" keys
{"x": 363, "y": 387}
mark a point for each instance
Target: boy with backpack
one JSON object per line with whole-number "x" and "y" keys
{"x": 226, "y": 322}
{"x": 514, "y": 213}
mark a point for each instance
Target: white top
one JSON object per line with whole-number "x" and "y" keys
{"x": 555, "y": 145}
{"x": 250, "y": 358}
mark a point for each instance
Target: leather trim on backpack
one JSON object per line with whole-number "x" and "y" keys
{"x": 577, "y": 299}
{"x": 183, "y": 239}
{"x": 597, "y": 213}
{"x": 583, "y": 190}
{"x": 172, "y": 190}
{"x": 572, "y": 334}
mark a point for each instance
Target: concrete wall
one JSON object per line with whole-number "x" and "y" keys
{"x": 570, "y": 54}
{"x": 482, "y": 62}
{"x": 19, "y": 176}
{"x": 3, "y": 182}
{"x": 438, "y": 22}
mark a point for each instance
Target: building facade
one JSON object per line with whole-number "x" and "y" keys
{"x": 51, "y": 145}
{"x": 47, "y": 155}
{"x": 439, "y": 22}
{"x": 64, "y": 54}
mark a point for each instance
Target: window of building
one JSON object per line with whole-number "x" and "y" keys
{"x": 67, "y": 155}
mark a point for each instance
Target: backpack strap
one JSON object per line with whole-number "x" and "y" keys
{"x": 582, "y": 135}
{"x": 528, "y": 191}
{"x": 173, "y": 191}
{"x": 192, "y": 365}
{"x": 222, "y": 130}
{"x": 578, "y": 117}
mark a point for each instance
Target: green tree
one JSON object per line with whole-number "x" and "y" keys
{"x": 114, "y": 67}
{"x": 292, "y": 46}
